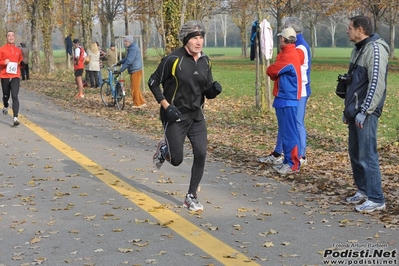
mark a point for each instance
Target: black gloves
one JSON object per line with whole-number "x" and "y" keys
{"x": 214, "y": 90}
{"x": 119, "y": 63}
{"x": 172, "y": 113}
{"x": 117, "y": 72}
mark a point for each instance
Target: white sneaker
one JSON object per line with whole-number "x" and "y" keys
{"x": 370, "y": 206}
{"x": 285, "y": 169}
{"x": 191, "y": 202}
{"x": 303, "y": 161}
{"x": 16, "y": 121}
{"x": 271, "y": 159}
{"x": 358, "y": 197}
{"x": 5, "y": 110}
{"x": 278, "y": 166}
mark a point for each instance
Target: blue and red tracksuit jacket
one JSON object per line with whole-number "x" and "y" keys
{"x": 286, "y": 74}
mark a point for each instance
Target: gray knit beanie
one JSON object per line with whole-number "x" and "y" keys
{"x": 191, "y": 29}
{"x": 128, "y": 38}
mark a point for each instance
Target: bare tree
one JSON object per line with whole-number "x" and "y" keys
{"x": 377, "y": 10}
{"x": 112, "y": 8}
{"x": 225, "y": 23}
{"x": 332, "y": 22}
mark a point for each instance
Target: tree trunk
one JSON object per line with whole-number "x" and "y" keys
{"x": 183, "y": 12}
{"x": 112, "y": 31}
{"x": 86, "y": 23}
{"x": 35, "y": 41}
{"x": 46, "y": 32}
{"x": 279, "y": 26}
{"x": 2, "y": 23}
{"x": 126, "y": 15}
{"x": 312, "y": 40}
{"x": 146, "y": 34}
{"x": 215, "y": 36}
{"x": 243, "y": 34}
{"x": 392, "y": 42}
{"x": 104, "y": 27}
{"x": 66, "y": 32}
{"x": 104, "y": 35}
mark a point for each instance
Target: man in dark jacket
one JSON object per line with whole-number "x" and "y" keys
{"x": 364, "y": 102}
{"x": 186, "y": 79}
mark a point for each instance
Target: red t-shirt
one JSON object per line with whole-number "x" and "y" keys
{"x": 14, "y": 55}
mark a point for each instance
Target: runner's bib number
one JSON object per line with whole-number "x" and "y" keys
{"x": 12, "y": 68}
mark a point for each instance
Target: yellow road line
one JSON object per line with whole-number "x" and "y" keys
{"x": 203, "y": 240}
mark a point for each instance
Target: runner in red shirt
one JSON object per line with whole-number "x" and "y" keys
{"x": 78, "y": 66}
{"x": 10, "y": 60}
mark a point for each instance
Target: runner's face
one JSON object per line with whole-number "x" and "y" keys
{"x": 194, "y": 45}
{"x": 10, "y": 37}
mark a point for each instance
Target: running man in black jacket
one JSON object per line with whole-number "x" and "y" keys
{"x": 186, "y": 79}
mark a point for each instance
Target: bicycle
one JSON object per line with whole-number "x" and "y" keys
{"x": 112, "y": 90}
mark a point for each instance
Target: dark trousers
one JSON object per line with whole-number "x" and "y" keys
{"x": 11, "y": 88}
{"x": 175, "y": 135}
{"x": 25, "y": 71}
{"x": 93, "y": 77}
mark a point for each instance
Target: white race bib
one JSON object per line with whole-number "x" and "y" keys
{"x": 12, "y": 68}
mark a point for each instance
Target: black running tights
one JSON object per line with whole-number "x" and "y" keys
{"x": 11, "y": 87}
{"x": 195, "y": 131}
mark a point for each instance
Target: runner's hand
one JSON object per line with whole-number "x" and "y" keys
{"x": 173, "y": 113}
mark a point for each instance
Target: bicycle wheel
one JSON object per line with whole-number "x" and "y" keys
{"x": 120, "y": 98}
{"x": 106, "y": 94}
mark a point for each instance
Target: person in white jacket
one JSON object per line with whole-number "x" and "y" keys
{"x": 94, "y": 64}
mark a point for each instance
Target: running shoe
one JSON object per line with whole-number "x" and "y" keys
{"x": 191, "y": 202}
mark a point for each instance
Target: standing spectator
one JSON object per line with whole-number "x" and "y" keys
{"x": 364, "y": 101}
{"x": 133, "y": 63}
{"x": 25, "y": 61}
{"x": 78, "y": 66}
{"x": 303, "y": 49}
{"x": 102, "y": 57}
{"x": 10, "y": 59}
{"x": 186, "y": 79}
{"x": 94, "y": 64}
{"x": 286, "y": 74}
{"x": 111, "y": 55}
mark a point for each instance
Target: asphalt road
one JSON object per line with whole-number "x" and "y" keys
{"x": 77, "y": 190}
